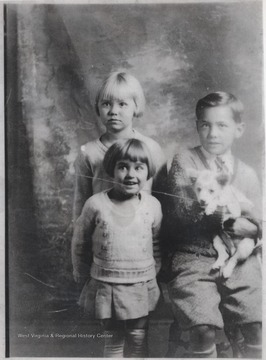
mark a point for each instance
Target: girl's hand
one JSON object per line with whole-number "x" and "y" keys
{"x": 158, "y": 266}
{"x": 241, "y": 227}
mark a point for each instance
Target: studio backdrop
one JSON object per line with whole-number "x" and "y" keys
{"x": 55, "y": 58}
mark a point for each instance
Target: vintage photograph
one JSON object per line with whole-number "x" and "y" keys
{"x": 134, "y": 150}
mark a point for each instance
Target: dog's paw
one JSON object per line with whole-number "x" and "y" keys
{"x": 228, "y": 271}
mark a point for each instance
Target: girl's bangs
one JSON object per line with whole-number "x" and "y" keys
{"x": 135, "y": 153}
{"x": 116, "y": 91}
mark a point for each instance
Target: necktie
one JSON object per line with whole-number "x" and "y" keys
{"x": 220, "y": 164}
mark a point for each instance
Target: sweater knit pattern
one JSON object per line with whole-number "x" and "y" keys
{"x": 123, "y": 245}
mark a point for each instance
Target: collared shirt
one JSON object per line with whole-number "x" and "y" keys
{"x": 226, "y": 158}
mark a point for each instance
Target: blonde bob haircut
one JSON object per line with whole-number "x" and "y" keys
{"x": 128, "y": 149}
{"x": 118, "y": 85}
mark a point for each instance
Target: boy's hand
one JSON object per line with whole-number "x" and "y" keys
{"x": 241, "y": 227}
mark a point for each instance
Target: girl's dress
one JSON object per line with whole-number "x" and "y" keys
{"x": 124, "y": 247}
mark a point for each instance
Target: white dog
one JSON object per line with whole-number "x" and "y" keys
{"x": 212, "y": 190}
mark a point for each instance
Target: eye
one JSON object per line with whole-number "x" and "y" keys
{"x": 122, "y": 167}
{"x": 105, "y": 104}
{"x": 204, "y": 125}
{"x": 122, "y": 104}
{"x": 139, "y": 167}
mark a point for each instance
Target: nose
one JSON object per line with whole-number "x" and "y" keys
{"x": 130, "y": 172}
{"x": 213, "y": 131}
{"x": 202, "y": 202}
{"x": 113, "y": 109}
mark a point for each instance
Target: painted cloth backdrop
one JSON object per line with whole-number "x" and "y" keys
{"x": 56, "y": 57}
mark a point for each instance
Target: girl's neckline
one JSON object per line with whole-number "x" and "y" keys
{"x": 110, "y": 194}
{"x": 104, "y": 147}
{"x": 117, "y": 208}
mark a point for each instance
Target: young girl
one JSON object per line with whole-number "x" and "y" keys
{"x": 119, "y": 229}
{"x": 119, "y": 100}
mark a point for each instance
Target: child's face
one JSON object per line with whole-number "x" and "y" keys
{"x": 117, "y": 113}
{"x": 217, "y": 129}
{"x": 130, "y": 176}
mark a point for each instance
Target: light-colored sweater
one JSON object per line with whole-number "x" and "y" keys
{"x": 124, "y": 247}
{"x": 91, "y": 177}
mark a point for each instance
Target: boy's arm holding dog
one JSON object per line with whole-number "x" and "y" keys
{"x": 250, "y": 222}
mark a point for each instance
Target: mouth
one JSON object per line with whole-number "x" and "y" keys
{"x": 202, "y": 204}
{"x": 113, "y": 120}
{"x": 213, "y": 143}
{"x": 130, "y": 183}
{"x": 203, "y": 207}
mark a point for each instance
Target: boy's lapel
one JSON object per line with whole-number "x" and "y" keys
{"x": 202, "y": 157}
{"x": 236, "y": 161}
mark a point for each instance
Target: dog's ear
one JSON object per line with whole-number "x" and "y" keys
{"x": 223, "y": 179}
{"x": 192, "y": 174}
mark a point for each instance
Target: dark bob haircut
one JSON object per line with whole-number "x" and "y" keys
{"x": 130, "y": 149}
{"x": 220, "y": 98}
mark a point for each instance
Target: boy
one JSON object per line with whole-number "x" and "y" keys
{"x": 201, "y": 299}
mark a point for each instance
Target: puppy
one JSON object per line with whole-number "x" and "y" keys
{"x": 213, "y": 190}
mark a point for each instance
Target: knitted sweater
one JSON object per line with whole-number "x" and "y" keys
{"x": 122, "y": 246}
{"x": 91, "y": 177}
{"x": 185, "y": 227}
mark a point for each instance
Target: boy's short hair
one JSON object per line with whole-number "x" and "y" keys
{"x": 128, "y": 149}
{"x": 110, "y": 89}
{"x": 220, "y": 98}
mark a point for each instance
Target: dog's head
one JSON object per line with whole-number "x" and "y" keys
{"x": 208, "y": 187}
